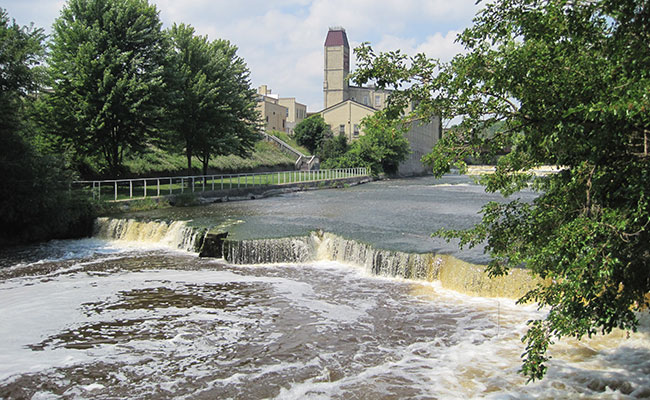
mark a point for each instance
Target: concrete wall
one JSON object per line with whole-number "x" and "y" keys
{"x": 422, "y": 138}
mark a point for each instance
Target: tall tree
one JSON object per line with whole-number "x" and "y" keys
{"x": 106, "y": 62}
{"x": 212, "y": 111}
{"x": 570, "y": 80}
{"x": 21, "y": 53}
{"x": 34, "y": 197}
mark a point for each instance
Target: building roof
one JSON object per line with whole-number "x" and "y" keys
{"x": 336, "y": 37}
{"x": 353, "y": 102}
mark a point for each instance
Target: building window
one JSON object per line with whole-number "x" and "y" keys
{"x": 365, "y": 100}
{"x": 377, "y": 100}
{"x": 267, "y": 118}
{"x": 356, "y": 130}
{"x": 283, "y": 121}
{"x": 341, "y": 129}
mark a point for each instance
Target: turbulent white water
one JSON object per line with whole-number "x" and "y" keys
{"x": 118, "y": 320}
{"x": 175, "y": 234}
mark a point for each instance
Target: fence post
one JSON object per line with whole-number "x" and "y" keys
{"x": 182, "y": 184}
{"x": 130, "y": 188}
{"x": 115, "y": 190}
{"x": 170, "y": 185}
{"x": 157, "y": 187}
{"x": 99, "y": 191}
{"x": 145, "y": 188}
{"x": 193, "y": 184}
{"x": 213, "y": 183}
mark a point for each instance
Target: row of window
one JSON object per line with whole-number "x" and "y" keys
{"x": 342, "y": 130}
{"x": 300, "y": 114}
{"x": 366, "y": 100}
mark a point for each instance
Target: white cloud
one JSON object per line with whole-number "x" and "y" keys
{"x": 282, "y": 40}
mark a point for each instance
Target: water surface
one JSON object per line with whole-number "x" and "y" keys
{"x": 395, "y": 214}
{"x": 120, "y": 320}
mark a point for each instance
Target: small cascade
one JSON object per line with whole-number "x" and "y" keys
{"x": 379, "y": 262}
{"x": 327, "y": 246}
{"x": 176, "y": 234}
{"x": 269, "y": 251}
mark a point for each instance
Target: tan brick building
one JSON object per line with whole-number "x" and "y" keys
{"x": 279, "y": 113}
{"x": 274, "y": 115}
{"x": 296, "y": 112}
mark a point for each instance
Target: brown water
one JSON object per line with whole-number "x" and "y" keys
{"x": 105, "y": 320}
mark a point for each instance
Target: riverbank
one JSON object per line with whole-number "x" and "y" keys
{"x": 238, "y": 190}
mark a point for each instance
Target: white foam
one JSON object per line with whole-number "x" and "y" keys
{"x": 471, "y": 351}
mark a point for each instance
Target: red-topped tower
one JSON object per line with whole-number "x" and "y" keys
{"x": 337, "y": 67}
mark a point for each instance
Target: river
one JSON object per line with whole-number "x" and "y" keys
{"x": 103, "y": 318}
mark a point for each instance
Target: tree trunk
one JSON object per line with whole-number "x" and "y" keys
{"x": 206, "y": 160}
{"x": 188, "y": 153}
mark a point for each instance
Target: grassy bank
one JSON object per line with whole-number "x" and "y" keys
{"x": 290, "y": 141}
{"x": 156, "y": 162}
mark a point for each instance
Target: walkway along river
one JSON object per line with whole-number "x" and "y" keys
{"x": 135, "y": 313}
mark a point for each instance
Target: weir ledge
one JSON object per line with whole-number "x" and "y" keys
{"x": 451, "y": 272}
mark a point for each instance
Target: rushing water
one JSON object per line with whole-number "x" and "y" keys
{"x": 396, "y": 214}
{"x": 137, "y": 315}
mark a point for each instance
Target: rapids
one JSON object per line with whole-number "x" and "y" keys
{"x": 135, "y": 313}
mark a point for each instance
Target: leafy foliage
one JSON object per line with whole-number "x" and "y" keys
{"x": 107, "y": 69}
{"x": 569, "y": 83}
{"x": 311, "y": 132}
{"x": 381, "y": 148}
{"x": 34, "y": 197}
{"x": 159, "y": 162}
{"x": 212, "y": 106}
{"x": 333, "y": 147}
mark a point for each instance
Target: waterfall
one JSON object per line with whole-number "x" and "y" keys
{"x": 377, "y": 261}
{"x": 451, "y": 272}
{"x": 176, "y": 234}
{"x": 327, "y": 246}
{"x": 269, "y": 251}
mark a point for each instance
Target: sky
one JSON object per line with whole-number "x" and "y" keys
{"x": 282, "y": 40}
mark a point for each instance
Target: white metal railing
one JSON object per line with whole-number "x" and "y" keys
{"x": 117, "y": 189}
{"x": 309, "y": 161}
